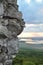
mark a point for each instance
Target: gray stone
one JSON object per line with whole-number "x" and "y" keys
{"x": 8, "y": 62}
{"x": 1, "y": 9}
{"x": 12, "y": 1}
{"x": 11, "y": 25}
{"x": 1, "y": 64}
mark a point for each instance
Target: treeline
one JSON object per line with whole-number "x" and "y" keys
{"x": 29, "y": 57}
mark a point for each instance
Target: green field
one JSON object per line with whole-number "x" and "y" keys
{"x": 29, "y": 57}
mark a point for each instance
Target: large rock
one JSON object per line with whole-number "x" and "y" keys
{"x": 11, "y": 25}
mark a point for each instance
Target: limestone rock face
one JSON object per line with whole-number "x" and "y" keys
{"x": 11, "y": 25}
{"x": 1, "y": 9}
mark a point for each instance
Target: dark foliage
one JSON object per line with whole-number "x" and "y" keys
{"x": 29, "y": 57}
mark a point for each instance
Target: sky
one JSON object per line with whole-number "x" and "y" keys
{"x": 32, "y": 11}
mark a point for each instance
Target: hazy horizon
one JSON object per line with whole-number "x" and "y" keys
{"x": 32, "y": 40}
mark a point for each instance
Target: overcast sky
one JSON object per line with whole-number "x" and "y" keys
{"x": 33, "y": 15}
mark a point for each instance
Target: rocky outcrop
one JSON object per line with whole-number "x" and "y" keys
{"x": 11, "y": 25}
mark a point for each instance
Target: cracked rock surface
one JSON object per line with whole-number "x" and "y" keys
{"x": 11, "y": 25}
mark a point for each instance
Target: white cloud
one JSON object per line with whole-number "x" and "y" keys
{"x": 40, "y": 12}
{"x": 28, "y": 1}
{"x": 31, "y": 34}
{"x": 39, "y": 1}
{"x": 33, "y": 28}
{"x": 34, "y": 42}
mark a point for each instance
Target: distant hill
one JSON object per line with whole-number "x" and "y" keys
{"x": 33, "y": 38}
{"x": 23, "y": 44}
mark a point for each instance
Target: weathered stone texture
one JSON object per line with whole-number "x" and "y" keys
{"x": 11, "y": 25}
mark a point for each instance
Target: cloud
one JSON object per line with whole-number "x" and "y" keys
{"x": 31, "y": 34}
{"x": 39, "y": 1}
{"x": 40, "y": 12}
{"x": 35, "y": 42}
{"x": 32, "y": 13}
{"x": 33, "y": 28}
{"x": 28, "y": 1}
{"x": 36, "y": 20}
